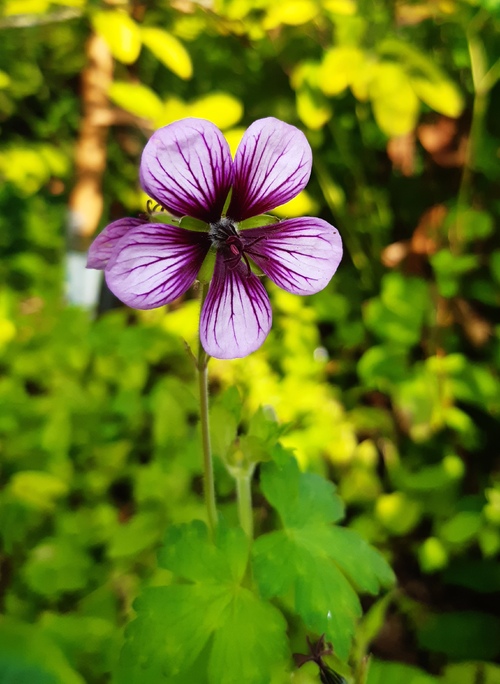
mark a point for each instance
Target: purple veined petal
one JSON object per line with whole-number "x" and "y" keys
{"x": 155, "y": 263}
{"x": 187, "y": 167}
{"x": 300, "y": 255}
{"x": 102, "y": 248}
{"x": 271, "y": 166}
{"x": 236, "y": 316}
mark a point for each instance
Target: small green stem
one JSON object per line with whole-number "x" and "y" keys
{"x": 483, "y": 80}
{"x": 244, "y": 497}
{"x": 209, "y": 484}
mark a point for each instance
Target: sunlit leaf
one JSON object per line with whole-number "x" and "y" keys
{"x": 312, "y": 108}
{"x": 339, "y": 68}
{"x": 292, "y": 12}
{"x": 222, "y": 109}
{"x": 442, "y": 96}
{"x": 120, "y": 32}
{"x": 137, "y": 99}
{"x": 4, "y": 80}
{"x": 398, "y": 513}
{"x": 36, "y": 488}
{"x": 169, "y": 50}
{"x": 395, "y": 104}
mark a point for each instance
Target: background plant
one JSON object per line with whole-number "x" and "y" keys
{"x": 387, "y": 382}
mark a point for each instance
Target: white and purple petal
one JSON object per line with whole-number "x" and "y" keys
{"x": 187, "y": 167}
{"x": 102, "y": 248}
{"x": 236, "y": 315}
{"x": 300, "y": 255}
{"x": 271, "y": 166}
{"x": 154, "y": 263}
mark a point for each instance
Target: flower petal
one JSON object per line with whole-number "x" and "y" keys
{"x": 187, "y": 167}
{"x": 236, "y": 316}
{"x": 300, "y": 255}
{"x": 155, "y": 263}
{"x": 101, "y": 249}
{"x": 272, "y": 165}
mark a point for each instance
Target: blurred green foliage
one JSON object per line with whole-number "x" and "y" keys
{"x": 386, "y": 382}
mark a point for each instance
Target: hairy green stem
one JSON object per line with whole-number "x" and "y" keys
{"x": 208, "y": 471}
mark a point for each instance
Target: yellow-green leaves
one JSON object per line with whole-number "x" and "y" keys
{"x": 340, "y": 68}
{"x": 222, "y": 109}
{"x": 125, "y": 38}
{"x": 168, "y": 50}
{"x": 441, "y": 95}
{"x": 395, "y": 104}
{"x": 313, "y": 108}
{"x": 291, "y": 12}
{"x": 37, "y": 489}
{"x": 120, "y": 32}
{"x": 137, "y": 99}
{"x": 395, "y": 77}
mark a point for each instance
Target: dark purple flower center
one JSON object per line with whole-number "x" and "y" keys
{"x": 226, "y": 238}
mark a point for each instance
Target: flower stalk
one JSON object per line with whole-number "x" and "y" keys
{"x": 208, "y": 471}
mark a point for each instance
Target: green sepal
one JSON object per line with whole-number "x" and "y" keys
{"x": 207, "y": 268}
{"x": 194, "y": 224}
{"x": 258, "y": 221}
{"x": 227, "y": 202}
{"x": 163, "y": 217}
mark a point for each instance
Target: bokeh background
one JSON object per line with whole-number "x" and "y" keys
{"x": 387, "y": 380}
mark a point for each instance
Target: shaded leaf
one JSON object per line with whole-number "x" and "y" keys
{"x": 310, "y": 559}
{"x": 210, "y": 629}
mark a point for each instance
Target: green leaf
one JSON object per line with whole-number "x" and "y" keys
{"x": 137, "y": 99}
{"x": 142, "y": 532}
{"x": 120, "y": 32}
{"x": 223, "y": 429}
{"x": 465, "y": 673}
{"x": 210, "y": 629}
{"x": 37, "y": 489}
{"x": 482, "y": 576}
{"x": 395, "y": 104}
{"x": 398, "y": 314}
{"x": 441, "y": 95}
{"x": 27, "y": 656}
{"x": 293, "y": 561}
{"x": 360, "y": 561}
{"x": 258, "y": 221}
{"x": 300, "y": 498}
{"x": 382, "y": 366}
{"x": 466, "y": 635}
{"x": 311, "y": 560}
{"x": 339, "y": 69}
{"x": 56, "y": 566}
{"x": 223, "y": 109}
{"x": 381, "y": 672}
{"x": 169, "y": 50}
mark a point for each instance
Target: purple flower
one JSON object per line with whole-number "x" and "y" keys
{"x": 187, "y": 168}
